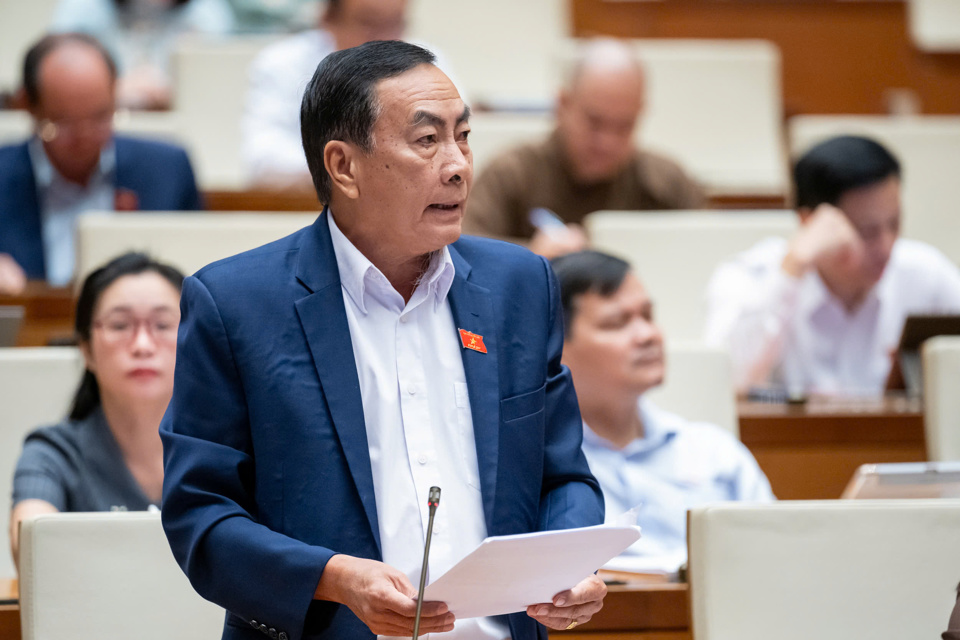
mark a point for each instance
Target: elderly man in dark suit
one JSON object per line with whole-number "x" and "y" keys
{"x": 326, "y": 381}
{"x": 74, "y": 163}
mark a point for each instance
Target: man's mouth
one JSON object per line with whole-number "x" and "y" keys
{"x": 445, "y": 207}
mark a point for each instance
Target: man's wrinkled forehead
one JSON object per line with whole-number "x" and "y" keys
{"x": 395, "y": 93}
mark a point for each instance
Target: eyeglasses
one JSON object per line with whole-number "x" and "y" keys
{"x": 49, "y": 130}
{"x": 124, "y": 329}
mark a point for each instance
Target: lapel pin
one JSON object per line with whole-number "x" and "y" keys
{"x": 472, "y": 341}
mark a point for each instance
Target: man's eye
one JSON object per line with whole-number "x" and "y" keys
{"x": 464, "y": 134}
{"x": 430, "y": 139}
{"x": 118, "y": 325}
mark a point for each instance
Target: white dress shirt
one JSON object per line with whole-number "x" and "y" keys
{"x": 62, "y": 202}
{"x": 278, "y": 77}
{"x": 799, "y": 331}
{"x": 416, "y": 408}
{"x": 677, "y": 465}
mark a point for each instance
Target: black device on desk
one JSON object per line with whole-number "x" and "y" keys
{"x": 907, "y": 364}
{"x": 11, "y": 317}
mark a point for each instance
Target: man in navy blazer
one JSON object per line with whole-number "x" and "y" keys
{"x": 284, "y": 495}
{"x": 75, "y": 162}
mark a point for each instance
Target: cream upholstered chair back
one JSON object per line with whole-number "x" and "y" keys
{"x": 210, "y": 88}
{"x": 941, "y": 397}
{"x": 928, "y": 148}
{"x": 188, "y": 241}
{"x": 832, "y": 570}
{"x": 36, "y": 386}
{"x": 501, "y": 51}
{"x": 675, "y": 252}
{"x": 699, "y": 385}
{"x": 21, "y": 24}
{"x": 716, "y": 107}
{"x": 91, "y": 575}
{"x": 934, "y": 25}
{"x": 15, "y": 126}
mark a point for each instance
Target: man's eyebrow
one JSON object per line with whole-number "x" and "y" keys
{"x": 425, "y": 117}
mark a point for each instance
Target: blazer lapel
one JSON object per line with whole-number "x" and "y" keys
{"x": 324, "y": 321}
{"x": 472, "y": 309}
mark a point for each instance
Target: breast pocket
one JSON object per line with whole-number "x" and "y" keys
{"x": 465, "y": 437}
{"x": 523, "y": 405}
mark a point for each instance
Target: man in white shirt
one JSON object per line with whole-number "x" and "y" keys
{"x": 278, "y": 76}
{"x": 327, "y": 380}
{"x": 642, "y": 455}
{"x": 823, "y": 311}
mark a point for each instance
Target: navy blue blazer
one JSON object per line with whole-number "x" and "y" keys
{"x": 266, "y": 466}
{"x": 159, "y": 173}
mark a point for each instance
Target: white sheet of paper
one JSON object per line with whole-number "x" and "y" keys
{"x": 505, "y": 574}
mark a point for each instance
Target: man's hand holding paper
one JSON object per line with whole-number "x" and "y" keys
{"x": 572, "y": 607}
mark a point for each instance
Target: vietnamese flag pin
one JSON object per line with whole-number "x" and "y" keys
{"x": 472, "y": 341}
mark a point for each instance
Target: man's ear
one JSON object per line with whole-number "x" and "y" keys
{"x": 339, "y": 158}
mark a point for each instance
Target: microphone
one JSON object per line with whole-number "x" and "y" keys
{"x": 432, "y": 501}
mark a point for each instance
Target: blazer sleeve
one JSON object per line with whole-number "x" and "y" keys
{"x": 209, "y": 508}
{"x": 571, "y": 495}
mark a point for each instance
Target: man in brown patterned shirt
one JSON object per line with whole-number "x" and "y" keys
{"x": 589, "y": 163}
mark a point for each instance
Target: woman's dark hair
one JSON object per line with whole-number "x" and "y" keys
{"x": 340, "y": 103}
{"x": 583, "y": 272}
{"x": 47, "y": 45}
{"x": 87, "y": 397}
{"x": 831, "y": 168}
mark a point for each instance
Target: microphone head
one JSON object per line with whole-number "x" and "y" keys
{"x": 434, "y": 498}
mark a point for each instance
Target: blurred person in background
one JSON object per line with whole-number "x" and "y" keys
{"x": 641, "y": 454}
{"x": 272, "y": 148}
{"x": 589, "y": 163}
{"x": 74, "y": 163}
{"x": 822, "y": 311}
{"x": 142, "y": 34}
{"x": 274, "y": 16}
{"x": 107, "y": 455}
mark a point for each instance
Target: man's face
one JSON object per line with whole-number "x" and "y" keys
{"x": 412, "y": 186}
{"x": 359, "y": 21}
{"x": 874, "y": 211}
{"x": 74, "y": 114}
{"x": 596, "y": 119}
{"x": 613, "y": 348}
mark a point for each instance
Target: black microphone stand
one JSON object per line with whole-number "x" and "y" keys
{"x": 432, "y": 501}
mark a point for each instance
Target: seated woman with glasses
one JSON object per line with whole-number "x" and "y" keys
{"x": 107, "y": 455}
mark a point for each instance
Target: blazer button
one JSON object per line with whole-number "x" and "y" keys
{"x": 263, "y": 628}
{"x": 254, "y": 624}
{"x": 273, "y": 634}
{"x": 282, "y": 636}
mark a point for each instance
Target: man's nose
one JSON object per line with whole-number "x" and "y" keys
{"x": 458, "y": 164}
{"x": 644, "y": 330}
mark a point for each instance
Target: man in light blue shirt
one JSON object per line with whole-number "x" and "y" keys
{"x": 642, "y": 455}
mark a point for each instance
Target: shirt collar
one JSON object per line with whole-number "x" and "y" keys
{"x": 659, "y": 427}
{"x": 45, "y": 174}
{"x": 356, "y": 270}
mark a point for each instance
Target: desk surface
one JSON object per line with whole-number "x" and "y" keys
{"x": 811, "y": 451}
{"x": 48, "y": 314}
{"x": 639, "y": 610}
